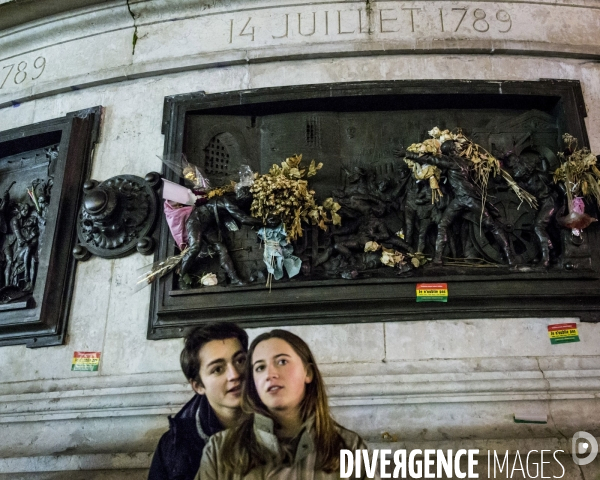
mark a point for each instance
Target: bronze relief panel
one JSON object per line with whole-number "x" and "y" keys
{"x": 493, "y": 249}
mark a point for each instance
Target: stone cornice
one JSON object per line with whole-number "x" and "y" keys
{"x": 160, "y": 394}
{"x": 115, "y": 41}
{"x": 97, "y": 422}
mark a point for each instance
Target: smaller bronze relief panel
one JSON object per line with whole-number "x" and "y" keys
{"x": 494, "y": 246}
{"x": 26, "y": 181}
{"x": 42, "y": 168}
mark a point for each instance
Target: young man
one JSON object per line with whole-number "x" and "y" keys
{"x": 212, "y": 360}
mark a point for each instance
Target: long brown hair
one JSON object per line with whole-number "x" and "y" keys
{"x": 242, "y": 452}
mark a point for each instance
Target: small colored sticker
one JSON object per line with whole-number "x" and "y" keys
{"x": 432, "y": 292}
{"x": 563, "y": 333}
{"x": 85, "y": 361}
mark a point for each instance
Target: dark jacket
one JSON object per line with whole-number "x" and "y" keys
{"x": 178, "y": 454}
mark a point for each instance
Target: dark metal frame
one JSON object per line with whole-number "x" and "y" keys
{"x": 44, "y": 323}
{"x": 343, "y": 301}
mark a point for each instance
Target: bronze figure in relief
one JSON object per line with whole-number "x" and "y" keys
{"x": 468, "y": 199}
{"x": 204, "y": 226}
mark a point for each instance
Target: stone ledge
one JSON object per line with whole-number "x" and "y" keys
{"x": 466, "y": 419}
{"x": 134, "y": 396}
{"x": 418, "y": 401}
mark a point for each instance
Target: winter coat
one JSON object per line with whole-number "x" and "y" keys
{"x": 178, "y": 454}
{"x": 302, "y": 467}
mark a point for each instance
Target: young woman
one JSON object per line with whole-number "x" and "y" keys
{"x": 288, "y": 433}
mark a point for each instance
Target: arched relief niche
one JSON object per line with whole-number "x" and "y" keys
{"x": 220, "y": 148}
{"x": 218, "y": 161}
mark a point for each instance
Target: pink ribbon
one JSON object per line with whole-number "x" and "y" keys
{"x": 176, "y": 218}
{"x": 578, "y": 206}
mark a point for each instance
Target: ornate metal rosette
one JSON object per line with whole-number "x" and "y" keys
{"x": 117, "y": 216}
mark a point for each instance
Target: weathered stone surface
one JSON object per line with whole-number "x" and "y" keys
{"x": 127, "y": 351}
{"x": 484, "y": 338}
{"x": 340, "y": 343}
{"x": 432, "y": 384}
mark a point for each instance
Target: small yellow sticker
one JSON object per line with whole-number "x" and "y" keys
{"x": 563, "y": 333}
{"x": 85, "y": 361}
{"x": 432, "y": 292}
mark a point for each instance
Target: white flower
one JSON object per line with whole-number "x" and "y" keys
{"x": 434, "y": 132}
{"x": 447, "y": 135}
{"x": 209, "y": 280}
{"x": 387, "y": 260}
{"x": 390, "y": 257}
{"x": 372, "y": 246}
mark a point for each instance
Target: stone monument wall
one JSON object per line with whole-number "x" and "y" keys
{"x": 440, "y": 384}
